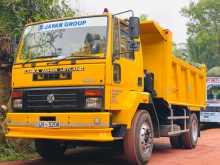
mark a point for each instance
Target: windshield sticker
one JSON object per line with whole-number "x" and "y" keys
{"x": 62, "y": 25}
{"x": 213, "y": 80}
{"x": 68, "y": 24}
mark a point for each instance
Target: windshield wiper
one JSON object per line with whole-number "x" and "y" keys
{"x": 43, "y": 57}
{"x": 38, "y": 57}
{"x": 72, "y": 57}
{"x": 29, "y": 60}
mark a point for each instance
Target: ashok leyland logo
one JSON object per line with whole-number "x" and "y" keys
{"x": 50, "y": 98}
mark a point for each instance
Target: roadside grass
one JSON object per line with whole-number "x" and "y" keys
{"x": 12, "y": 152}
{"x": 15, "y": 149}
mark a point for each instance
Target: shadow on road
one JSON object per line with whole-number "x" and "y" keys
{"x": 96, "y": 156}
{"x": 209, "y": 126}
{"x": 86, "y": 156}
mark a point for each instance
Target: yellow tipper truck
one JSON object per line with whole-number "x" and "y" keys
{"x": 101, "y": 79}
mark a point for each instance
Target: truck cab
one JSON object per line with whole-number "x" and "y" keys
{"x": 103, "y": 79}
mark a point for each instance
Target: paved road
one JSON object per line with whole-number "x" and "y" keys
{"x": 206, "y": 153}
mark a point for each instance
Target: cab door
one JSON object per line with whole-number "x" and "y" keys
{"x": 127, "y": 65}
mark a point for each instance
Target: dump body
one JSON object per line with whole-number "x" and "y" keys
{"x": 176, "y": 81}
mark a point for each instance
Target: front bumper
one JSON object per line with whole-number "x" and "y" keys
{"x": 73, "y": 126}
{"x": 210, "y": 117}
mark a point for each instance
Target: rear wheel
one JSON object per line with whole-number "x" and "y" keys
{"x": 50, "y": 149}
{"x": 138, "y": 142}
{"x": 190, "y": 138}
{"x": 176, "y": 142}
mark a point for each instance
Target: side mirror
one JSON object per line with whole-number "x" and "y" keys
{"x": 134, "y": 27}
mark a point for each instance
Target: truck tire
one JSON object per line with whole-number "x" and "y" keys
{"x": 138, "y": 142}
{"x": 50, "y": 149}
{"x": 176, "y": 142}
{"x": 190, "y": 138}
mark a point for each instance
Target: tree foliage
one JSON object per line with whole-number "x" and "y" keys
{"x": 14, "y": 14}
{"x": 204, "y": 31}
{"x": 215, "y": 71}
{"x": 180, "y": 51}
{"x": 143, "y": 17}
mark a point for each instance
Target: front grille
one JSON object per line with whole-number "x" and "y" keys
{"x": 52, "y": 76}
{"x": 36, "y": 100}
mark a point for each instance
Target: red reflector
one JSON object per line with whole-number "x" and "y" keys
{"x": 17, "y": 94}
{"x": 93, "y": 92}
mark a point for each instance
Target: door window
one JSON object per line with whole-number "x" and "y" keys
{"x": 124, "y": 42}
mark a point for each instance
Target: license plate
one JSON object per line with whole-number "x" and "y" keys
{"x": 48, "y": 124}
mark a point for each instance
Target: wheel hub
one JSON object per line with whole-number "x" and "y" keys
{"x": 194, "y": 130}
{"x": 146, "y": 138}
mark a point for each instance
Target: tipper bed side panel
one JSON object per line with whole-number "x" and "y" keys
{"x": 186, "y": 84}
{"x": 176, "y": 81}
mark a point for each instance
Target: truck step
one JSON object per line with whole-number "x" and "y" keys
{"x": 174, "y": 133}
{"x": 178, "y": 117}
{"x": 165, "y": 130}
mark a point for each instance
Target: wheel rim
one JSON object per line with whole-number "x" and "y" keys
{"x": 194, "y": 130}
{"x": 146, "y": 139}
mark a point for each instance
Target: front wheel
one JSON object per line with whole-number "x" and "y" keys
{"x": 138, "y": 142}
{"x": 50, "y": 149}
{"x": 190, "y": 138}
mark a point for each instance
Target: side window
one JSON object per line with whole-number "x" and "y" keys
{"x": 124, "y": 42}
{"x": 117, "y": 73}
{"x": 116, "y": 51}
{"x": 116, "y": 45}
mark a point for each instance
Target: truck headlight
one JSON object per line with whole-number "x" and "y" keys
{"x": 17, "y": 99}
{"x": 93, "y": 103}
{"x": 94, "y": 99}
{"x": 17, "y": 104}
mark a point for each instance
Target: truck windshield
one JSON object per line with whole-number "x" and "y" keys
{"x": 213, "y": 93}
{"x": 84, "y": 37}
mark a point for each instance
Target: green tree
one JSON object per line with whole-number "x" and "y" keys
{"x": 203, "y": 43}
{"x": 215, "y": 71}
{"x": 180, "y": 51}
{"x": 14, "y": 14}
{"x": 143, "y": 17}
